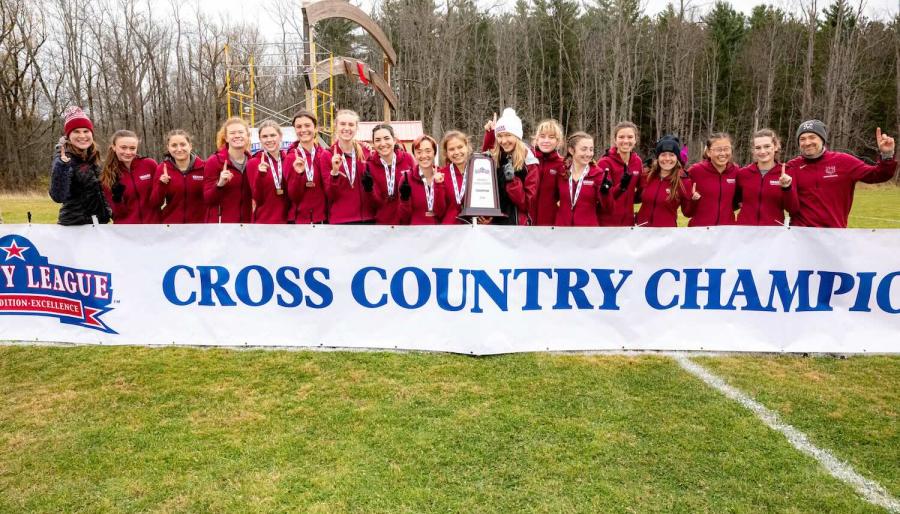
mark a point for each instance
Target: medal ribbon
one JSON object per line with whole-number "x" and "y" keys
{"x": 458, "y": 192}
{"x": 573, "y": 196}
{"x": 389, "y": 174}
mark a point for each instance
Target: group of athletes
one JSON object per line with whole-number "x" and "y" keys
{"x": 550, "y": 180}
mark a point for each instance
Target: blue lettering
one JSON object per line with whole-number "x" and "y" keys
{"x": 289, "y": 286}
{"x": 532, "y": 286}
{"x": 318, "y": 287}
{"x": 242, "y": 289}
{"x": 210, "y": 286}
{"x": 883, "y": 295}
{"x": 565, "y": 288}
{"x": 610, "y": 291}
{"x": 786, "y": 292}
{"x": 826, "y": 287}
{"x": 358, "y": 287}
{"x": 745, "y": 286}
{"x": 651, "y": 291}
{"x": 484, "y": 282}
{"x": 864, "y": 293}
{"x": 422, "y": 285}
{"x": 442, "y": 288}
{"x": 713, "y": 291}
{"x": 169, "y": 286}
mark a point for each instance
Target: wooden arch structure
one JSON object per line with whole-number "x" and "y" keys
{"x": 314, "y": 12}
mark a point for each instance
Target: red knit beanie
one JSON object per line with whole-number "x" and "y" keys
{"x": 75, "y": 119}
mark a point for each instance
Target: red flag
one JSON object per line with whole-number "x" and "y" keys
{"x": 362, "y": 74}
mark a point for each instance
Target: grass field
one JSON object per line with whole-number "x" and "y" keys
{"x": 131, "y": 429}
{"x": 873, "y": 207}
{"x": 98, "y": 429}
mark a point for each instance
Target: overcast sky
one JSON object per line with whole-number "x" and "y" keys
{"x": 873, "y": 8}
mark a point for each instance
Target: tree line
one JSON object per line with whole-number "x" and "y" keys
{"x": 685, "y": 70}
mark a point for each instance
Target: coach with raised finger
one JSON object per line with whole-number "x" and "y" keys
{"x": 825, "y": 180}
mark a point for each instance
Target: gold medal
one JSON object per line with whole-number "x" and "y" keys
{"x": 279, "y": 191}
{"x": 310, "y": 183}
{"x": 430, "y": 214}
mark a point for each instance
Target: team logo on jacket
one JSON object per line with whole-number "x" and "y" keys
{"x": 830, "y": 171}
{"x": 31, "y": 286}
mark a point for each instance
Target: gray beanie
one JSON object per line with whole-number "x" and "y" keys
{"x": 816, "y": 127}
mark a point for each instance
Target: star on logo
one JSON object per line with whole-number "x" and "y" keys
{"x": 14, "y": 250}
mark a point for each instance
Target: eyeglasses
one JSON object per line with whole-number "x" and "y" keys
{"x": 720, "y": 149}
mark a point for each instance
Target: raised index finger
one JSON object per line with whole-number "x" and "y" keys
{"x": 878, "y": 134}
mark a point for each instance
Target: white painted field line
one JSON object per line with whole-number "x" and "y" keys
{"x": 870, "y": 490}
{"x": 873, "y": 218}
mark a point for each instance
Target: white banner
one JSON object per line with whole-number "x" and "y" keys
{"x": 474, "y": 290}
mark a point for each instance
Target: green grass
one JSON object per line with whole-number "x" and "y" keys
{"x": 135, "y": 429}
{"x": 851, "y": 406}
{"x": 874, "y": 207}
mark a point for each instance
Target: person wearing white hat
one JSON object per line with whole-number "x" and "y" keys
{"x": 517, "y": 170}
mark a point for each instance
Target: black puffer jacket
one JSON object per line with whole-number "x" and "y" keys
{"x": 76, "y": 185}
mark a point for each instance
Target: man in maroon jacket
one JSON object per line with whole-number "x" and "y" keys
{"x": 825, "y": 180}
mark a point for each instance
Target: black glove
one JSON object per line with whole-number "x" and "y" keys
{"x": 118, "y": 189}
{"x": 367, "y": 181}
{"x": 606, "y": 185}
{"x": 626, "y": 179}
{"x": 508, "y": 172}
{"x": 405, "y": 189}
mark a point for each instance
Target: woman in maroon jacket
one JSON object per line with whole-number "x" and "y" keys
{"x": 310, "y": 163}
{"x": 226, "y": 189}
{"x": 178, "y": 184}
{"x": 456, "y": 149}
{"x": 347, "y": 202}
{"x": 388, "y": 168}
{"x": 266, "y": 174}
{"x": 547, "y": 141}
{"x": 583, "y": 191}
{"x": 764, "y": 188}
{"x": 715, "y": 178}
{"x": 127, "y": 180}
{"x": 665, "y": 187}
{"x": 428, "y": 200}
{"x": 624, "y": 167}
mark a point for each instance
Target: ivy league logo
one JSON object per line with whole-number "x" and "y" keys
{"x": 31, "y": 286}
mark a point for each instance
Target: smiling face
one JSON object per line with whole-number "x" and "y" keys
{"x": 425, "y": 154}
{"x": 347, "y": 126}
{"x": 667, "y": 162}
{"x": 179, "y": 148}
{"x": 125, "y": 149}
{"x": 625, "y": 140}
{"x": 582, "y": 152}
{"x": 383, "y": 142}
{"x": 236, "y": 136}
{"x": 305, "y": 130}
{"x": 270, "y": 138}
{"x": 81, "y": 138}
{"x": 457, "y": 152}
{"x": 811, "y": 145}
{"x": 507, "y": 141}
{"x": 764, "y": 149}
{"x": 547, "y": 142}
{"x": 719, "y": 152}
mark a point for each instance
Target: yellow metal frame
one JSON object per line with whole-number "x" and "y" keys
{"x": 240, "y": 90}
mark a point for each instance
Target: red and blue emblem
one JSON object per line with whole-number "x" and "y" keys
{"x": 31, "y": 286}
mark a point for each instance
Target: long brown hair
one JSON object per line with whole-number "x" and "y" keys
{"x": 674, "y": 177}
{"x": 112, "y": 166}
{"x": 89, "y": 155}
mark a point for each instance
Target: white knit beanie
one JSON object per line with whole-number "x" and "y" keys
{"x": 509, "y": 122}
